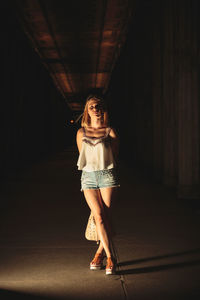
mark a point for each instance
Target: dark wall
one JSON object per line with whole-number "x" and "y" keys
{"x": 33, "y": 112}
{"x": 131, "y": 92}
{"x": 154, "y": 94}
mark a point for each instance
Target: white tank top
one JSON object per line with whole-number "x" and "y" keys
{"x": 96, "y": 153}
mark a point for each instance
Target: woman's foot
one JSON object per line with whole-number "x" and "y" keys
{"x": 97, "y": 262}
{"x": 110, "y": 266}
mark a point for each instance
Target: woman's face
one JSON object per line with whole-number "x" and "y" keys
{"x": 95, "y": 109}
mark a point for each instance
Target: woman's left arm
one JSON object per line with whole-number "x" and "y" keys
{"x": 114, "y": 143}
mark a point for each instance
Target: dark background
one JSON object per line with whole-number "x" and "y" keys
{"x": 153, "y": 97}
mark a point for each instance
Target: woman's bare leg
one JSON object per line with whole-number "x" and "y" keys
{"x": 93, "y": 198}
{"x": 107, "y": 197}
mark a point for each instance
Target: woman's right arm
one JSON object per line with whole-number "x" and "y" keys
{"x": 79, "y": 136}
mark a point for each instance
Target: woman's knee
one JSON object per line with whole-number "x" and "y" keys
{"x": 99, "y": 218}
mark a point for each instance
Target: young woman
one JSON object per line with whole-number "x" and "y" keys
{"x": 98, "y": 150}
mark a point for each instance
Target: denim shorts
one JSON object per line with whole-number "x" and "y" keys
{"x": 99, "y": 179}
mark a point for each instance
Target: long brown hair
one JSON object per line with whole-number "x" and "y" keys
{"x": 86, "y": 120}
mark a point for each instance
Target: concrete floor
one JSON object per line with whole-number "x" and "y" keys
{"x": 44, "y": 254}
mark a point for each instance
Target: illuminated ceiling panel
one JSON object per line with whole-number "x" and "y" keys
{"x": 78, "y": 41}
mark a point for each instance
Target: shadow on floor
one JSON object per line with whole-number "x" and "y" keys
{"x": 14, "y": 295}
{"x": 158, "y": 268}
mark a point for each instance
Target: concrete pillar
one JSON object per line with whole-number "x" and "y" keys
{"x": 170, "y": 134}
{"x": 165, "y": 136}
{"x": 157, "y": 96}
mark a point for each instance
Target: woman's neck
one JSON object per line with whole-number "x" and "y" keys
{"x": 96, "y": 124}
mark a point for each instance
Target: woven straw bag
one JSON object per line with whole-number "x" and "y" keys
{"x": 91, "y": 232}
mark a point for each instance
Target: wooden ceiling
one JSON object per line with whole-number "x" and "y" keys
{"x": 78, "y": 41}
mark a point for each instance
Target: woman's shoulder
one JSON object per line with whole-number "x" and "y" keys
{"x": 80, "y": 131}
{"x": 112, "y": 131}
